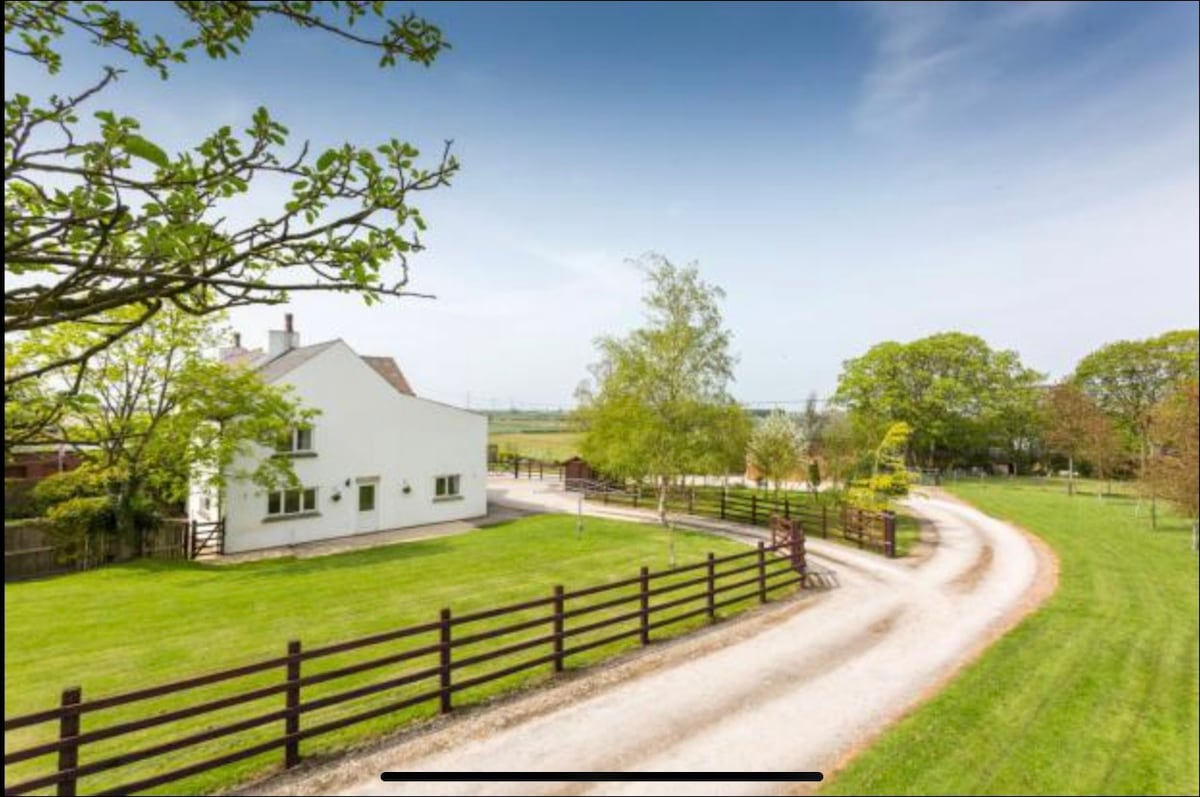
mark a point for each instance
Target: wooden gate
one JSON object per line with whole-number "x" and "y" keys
{"x": 787, "y": 537}
{"x": 206, "y": 539}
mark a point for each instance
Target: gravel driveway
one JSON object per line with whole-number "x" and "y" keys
{"x": 798, "y": 686}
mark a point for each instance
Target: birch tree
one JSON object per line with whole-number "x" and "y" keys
{"x": 657, "y": 404}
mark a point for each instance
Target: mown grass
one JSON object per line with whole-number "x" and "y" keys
{"x": 1096, "y": 693}
{"x": 145, "y": 623}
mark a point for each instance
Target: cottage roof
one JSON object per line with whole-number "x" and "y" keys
{"x": 389, "y": 370}
{"x": 272, "y": 369}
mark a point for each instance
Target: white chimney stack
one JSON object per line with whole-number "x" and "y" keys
{"x": 280, "y": 341}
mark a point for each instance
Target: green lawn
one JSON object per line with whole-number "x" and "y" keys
{"x": 551, "y": 446}
{"x": 1094, "y": 694}
{"x": 133, "y": 625}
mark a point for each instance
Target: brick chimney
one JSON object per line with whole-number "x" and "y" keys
{"x": 235, "y": 353}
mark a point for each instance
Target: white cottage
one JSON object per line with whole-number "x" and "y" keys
{"x": 377, "y": 457}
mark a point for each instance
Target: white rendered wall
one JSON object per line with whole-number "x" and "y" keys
{"x": 367, "y": 429}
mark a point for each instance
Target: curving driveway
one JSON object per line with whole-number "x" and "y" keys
{"x": 799, "y": 686}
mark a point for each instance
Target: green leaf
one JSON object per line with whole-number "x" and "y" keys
{"x": 146, "y": 150}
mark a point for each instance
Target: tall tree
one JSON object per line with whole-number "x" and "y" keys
{"x": 1105, "y": 448}
{"x": 1174, "y": 469}
{"x": 953, "y": 390}
{"x": 1129, "y": 378}
{"x": 730, "y": 435}
{"x": 1073, "y": 424}
{"x": 840, "y": 450}
{"x": 153, "y": 414}
{"x": 775, "y": 448}
{"x": 658, "y": 402}
{"x": 99, "y": 217}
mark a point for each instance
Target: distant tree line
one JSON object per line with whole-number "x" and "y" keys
{"x": 658, "y": 408}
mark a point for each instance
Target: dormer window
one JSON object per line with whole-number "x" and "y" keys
{"x": 296, "y": 442}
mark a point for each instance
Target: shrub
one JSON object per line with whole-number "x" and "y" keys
{"x": 79, "y": 526}
{"x": 84, "y": 482}
{"x": 18, "y": 499}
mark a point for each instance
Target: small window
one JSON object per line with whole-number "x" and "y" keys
{"x": 298, "y": 439}
{"x": 446, "y": 486}
{"x": 366, "y": 497}
{"x": 292, "y": 502}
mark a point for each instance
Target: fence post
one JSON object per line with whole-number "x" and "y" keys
{"x": 787, "y": 508}
{"x": 68, "y": 728}
{"x": 824, "y": 519}
{"x": 191, "y": 551}
{"x": 712, "y": 587}
{"x": 645, "y": 605}
{"x": 762, "y": 573}
{"x": 722, "y": 502}
{"x": 445, "y": 662}
{"x": 516, "y": 467}
{"x": 753, "y": 509}
{"x": 558, "y": 628}
{"x": 889, "y": 534}
{"x": 691, "y": 500}
{"x": 541, "y": 471}
{"x": 799, "y": 554}
{"x": 291, "y": 723}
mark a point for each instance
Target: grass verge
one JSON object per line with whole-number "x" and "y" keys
{"x": 139, "y": 624}
{"x": 1096, "y": 693}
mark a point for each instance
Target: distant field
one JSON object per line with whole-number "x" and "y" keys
{"x": 510, "y": 422}
{"x": 1096, "y": 693}
{"x": 555, "y": 446}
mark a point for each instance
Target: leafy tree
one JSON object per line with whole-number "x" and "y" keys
{"x": 775, "y": 448}
{"x": 731, "y": 430}
{"x": 1174, "y": 469}
{"x": 657, "y": 403}
{"x": 1073, "y": 425}
{"x": 100, "y": 217}
{"x": 889, "y": 476}
{"x": 840, "y": 449}
{"x": 1105, "y": 448}
{"x": 956, "y": 393}
{"x": 152, "y": 413}
{"x": 1129, "y": 378}
{"x": 812, "y": 423}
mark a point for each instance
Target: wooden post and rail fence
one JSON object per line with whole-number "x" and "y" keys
{"x": 86, "y": 756}
{"x": 866, "y": 528}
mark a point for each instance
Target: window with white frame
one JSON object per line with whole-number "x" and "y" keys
{"x": 281, "y": 503}
{"x": 298, "y": 440}
{"x": 446, "y": 486}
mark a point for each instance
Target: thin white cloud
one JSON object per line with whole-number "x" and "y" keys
{"x": 936, "y": 58}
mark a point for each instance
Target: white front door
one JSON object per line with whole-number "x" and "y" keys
{"x": 368, "y": 505}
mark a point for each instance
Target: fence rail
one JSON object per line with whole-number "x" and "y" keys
{"x": 436, "y": 662}
{"x": 527, "y": 468}
{"x": 866, "y": 528}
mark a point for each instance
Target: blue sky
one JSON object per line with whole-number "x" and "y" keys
{"x": 847, "y": 173}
